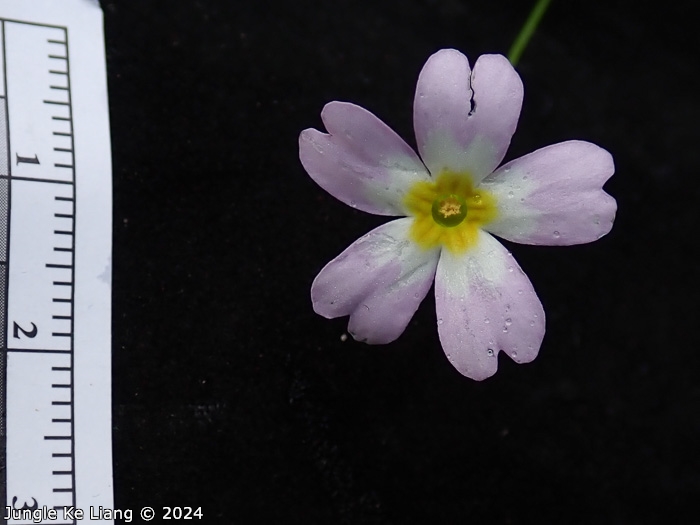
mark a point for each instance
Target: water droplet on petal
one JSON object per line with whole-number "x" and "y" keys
{"x": 490, "y": 352}
{"x": 510, "y": 194}
{"x": 486, "y": 321}
{"x": 353, "y": 204}
{"x": 514, "y": 354}
{"x": 532, "y": 323}
{"x": 509, "y": 321}
{"x": 556, "y": 234}
{"x": 524, "y": 177}
{"x": 505, "y": 329}
{"x": 506, "y": 170}
{"x": 520, "y": 292}
{"x": 440, "y": 321}
{"x": 510, "y": 269}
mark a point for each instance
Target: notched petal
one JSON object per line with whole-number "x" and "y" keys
{"x": 554, "y": 195}
{"x": 360, "y": 161}
{"x": 486, "y": 304}
{"x": 379, "y": 281}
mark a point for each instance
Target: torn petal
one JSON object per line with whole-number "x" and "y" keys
{"x": 464, "y": 120}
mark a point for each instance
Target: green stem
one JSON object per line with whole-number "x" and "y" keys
{"x": 527, "y": 31}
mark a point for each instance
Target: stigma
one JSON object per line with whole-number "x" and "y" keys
{"x": 449, "y": 210}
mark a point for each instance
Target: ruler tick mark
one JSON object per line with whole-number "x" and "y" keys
{"x": 57, "y": 249}
{"x": 62, "y": 134}
{"x": 61, "y": 403}
{"x": 60, "y": 334}
{"x": 62, "y": 232}
{"x": 61, "y": 317}
{"x": 59, "y": 385}
{"x": 56, "y": 42}
{"x": 54, "y": 72}
{"x": 56, "y": 102}
{"x": 60, "y": 118}
{"x": 36, "y": 179}
{"x": 60, "y": 368}
{"x": 59, "y": 420}
{"x": 37, "y": 351}
{"x": 56, "y": 438}
{"x": 53, "y": 265}
{"x": 70, "y": 199}
{"x": 59, "y": 87}
{"x": 58, "y": 57}
{"x": 63, "y": 166}
{"x": 63, "y": 490}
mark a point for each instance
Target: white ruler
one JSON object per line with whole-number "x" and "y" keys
{"x": 55, "y": 262}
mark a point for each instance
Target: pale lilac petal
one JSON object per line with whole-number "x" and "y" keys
{"x": 486, "y": 304}
{"x": 554, "y": 195}
{"x": 459, "y": 133}
{"x": 361, "y": 161}
{"x": 378, "y": 281}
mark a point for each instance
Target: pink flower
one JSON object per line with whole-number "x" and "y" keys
{"x": 452, "y": 199}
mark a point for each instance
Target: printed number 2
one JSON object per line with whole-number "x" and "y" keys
{"x": 28, "y": 333}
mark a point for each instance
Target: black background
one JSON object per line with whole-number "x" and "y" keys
{"x": 231, "y": 394}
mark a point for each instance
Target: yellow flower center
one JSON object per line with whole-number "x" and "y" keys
{"x": 448, "y": 211}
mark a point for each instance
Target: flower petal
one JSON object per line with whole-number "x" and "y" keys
{"x": 361, "y": 161}
{"x": 485, "y": 304}
{"x": 379, "y": 280}
{"x": 554, "y": 195}
{"x": 452, "y": 132}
